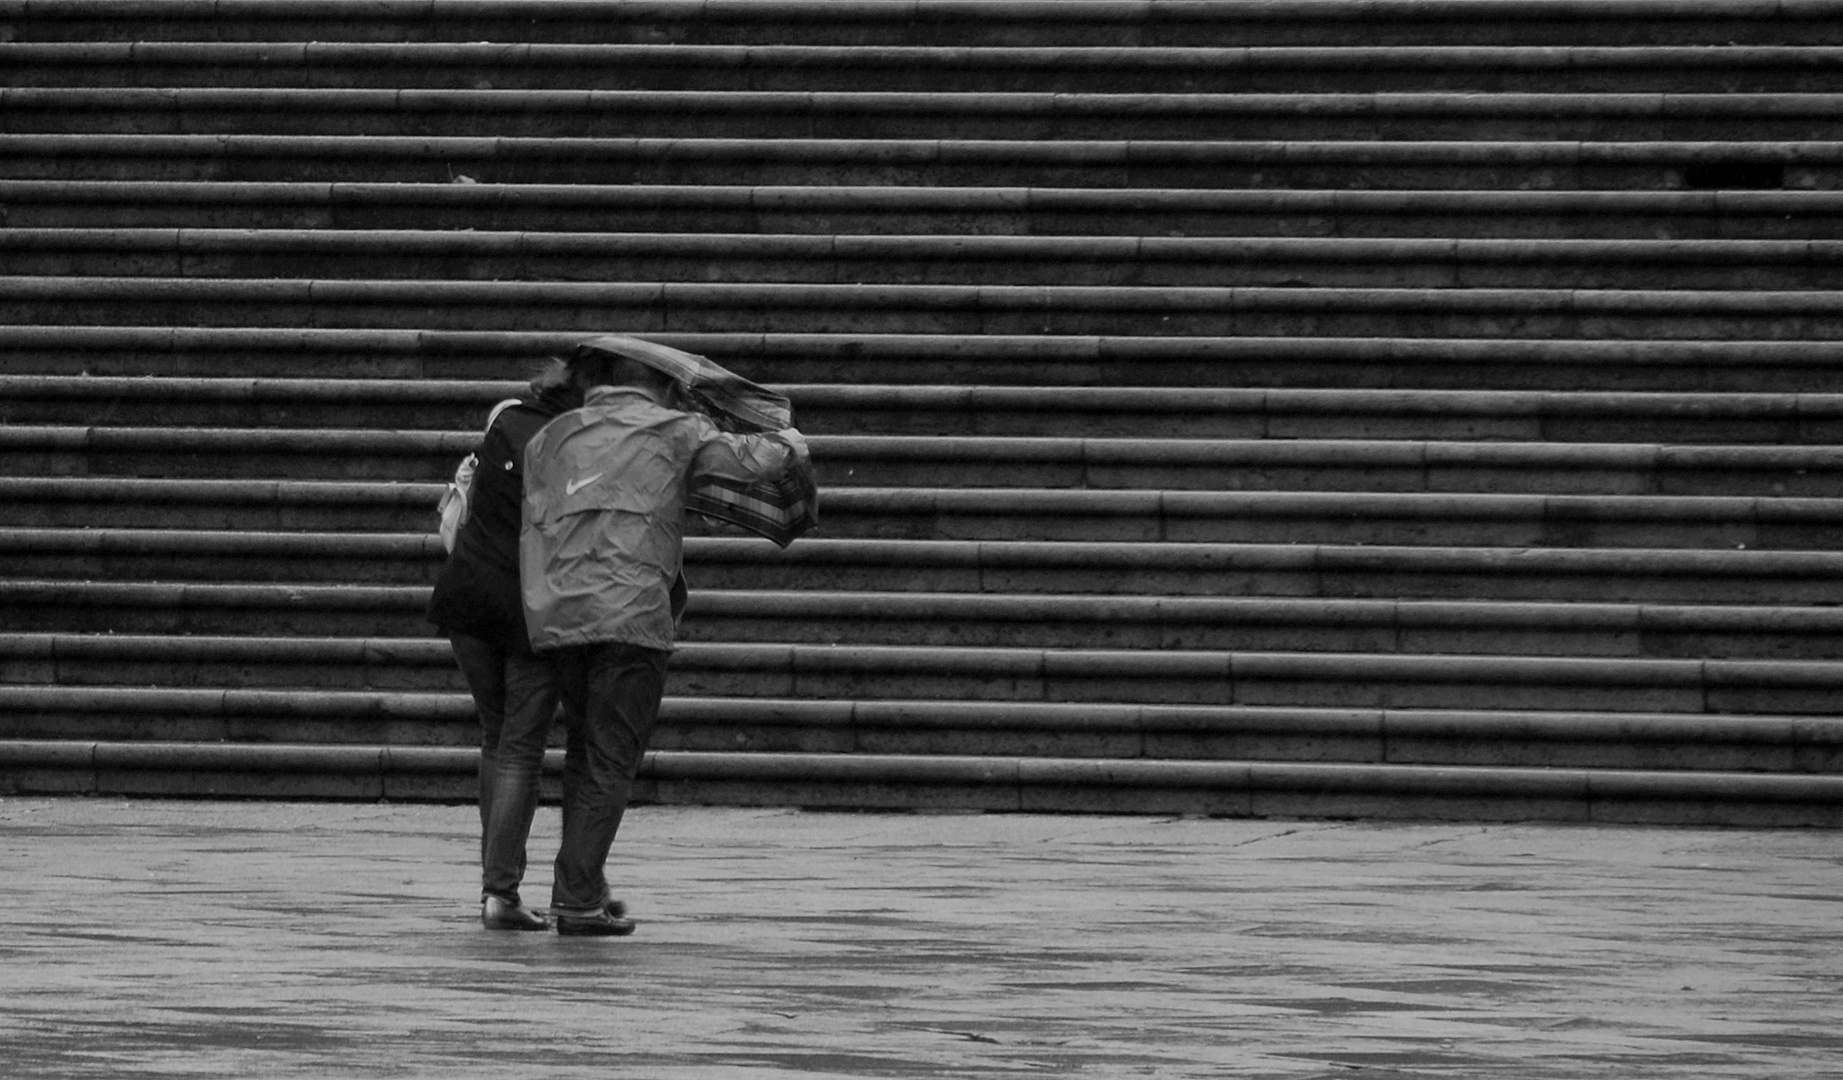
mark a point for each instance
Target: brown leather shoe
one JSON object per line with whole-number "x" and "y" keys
{"x": 497, "y": 914}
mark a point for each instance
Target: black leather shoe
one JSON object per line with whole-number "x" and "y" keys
{"x": 615, "y": 909}
{"x": 497, "y": 914}
{"x": 602, "y": 925}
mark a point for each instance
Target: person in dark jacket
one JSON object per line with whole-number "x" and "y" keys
{"x": 477, "y": 603}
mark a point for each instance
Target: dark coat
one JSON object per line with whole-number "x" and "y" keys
{"x": 477, "y": 592}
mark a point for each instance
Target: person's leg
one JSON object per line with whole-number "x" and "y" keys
{"x": 483, "y": 667}
{"x": 575, "y": 767}
{"x": 575, "y": 753}
{"x": 623, "y": 685}
{"x": 531, "y": 702}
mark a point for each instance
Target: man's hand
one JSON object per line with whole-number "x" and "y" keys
{"x": 797, "y": 441}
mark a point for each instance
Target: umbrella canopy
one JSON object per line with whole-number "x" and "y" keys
{"x": 779, "y": 510}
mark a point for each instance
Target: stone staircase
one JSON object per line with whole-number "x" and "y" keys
{"x": 1330, "y": 407}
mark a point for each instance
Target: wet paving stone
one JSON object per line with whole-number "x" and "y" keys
{"x": 205, "y": 939}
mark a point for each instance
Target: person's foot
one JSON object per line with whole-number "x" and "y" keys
{"x": 497, "y": 914}
{"x": 604, "y": 924}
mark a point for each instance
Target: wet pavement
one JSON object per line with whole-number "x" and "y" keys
{"x": 182, "y": 939}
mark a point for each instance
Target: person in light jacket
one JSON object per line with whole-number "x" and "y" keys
{"x": 600, "y": 548}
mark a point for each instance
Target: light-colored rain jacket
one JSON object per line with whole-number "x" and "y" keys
{"x": 603, "y": 532}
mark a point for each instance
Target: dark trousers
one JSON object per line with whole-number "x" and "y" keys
{"x": 615, "y": 689}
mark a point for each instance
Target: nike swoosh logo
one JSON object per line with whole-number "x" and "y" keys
{"x": 574, "y": 486}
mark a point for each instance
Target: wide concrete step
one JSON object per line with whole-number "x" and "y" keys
{"x": 1292, "y": 567}
{"x": 1740, "y": 576}
{"x": 916, "y": 782}
{"x": 1266, "y": 624}
{"x": 993, "y": 514}
{"x": 1803, "y": 744}
{"x": 1232, "y": 413}
{"x": 1007, "y": 514}
{"x": 1449, "y": 429}
{"x": 949, "y": 22}
{"x": 1412, "y": 162}
{"x": 1807, "y": 745}
{"x": 832, "y": 672}
{"x": 1706, "y": 214}
{"x": 269, "y": 505}
{"x": 1334, "y": 464}
{"x": 989, "y": 620}
{"x": 414, "y": 254}
{"x": 1285, "y": 464}
{"x": 392, "y": 378}
{"x": 648, "y": 307}
{"x": 253, "y": 453}
{"x": 789, "y": 68}
{"x": 887, "y": 419}
{"x": 183, "y": 554}
{"x": 708, "y": 114}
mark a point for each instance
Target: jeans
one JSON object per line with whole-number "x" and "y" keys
{"x": 483, "y": 666}
{"x": 615, "y": 689}
{"x": 489, "y": 670}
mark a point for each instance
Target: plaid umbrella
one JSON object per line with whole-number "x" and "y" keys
{"x": 780, "y": 509}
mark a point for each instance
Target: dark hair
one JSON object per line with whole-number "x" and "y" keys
{"x": 552, "y": 386}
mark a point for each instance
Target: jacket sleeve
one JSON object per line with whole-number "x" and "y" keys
{"x": 747, "y": 457}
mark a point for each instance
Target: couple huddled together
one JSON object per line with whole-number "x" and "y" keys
{"x": 563, "y": 587}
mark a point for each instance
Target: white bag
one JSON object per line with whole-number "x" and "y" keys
{"x": 453, "y": 507}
